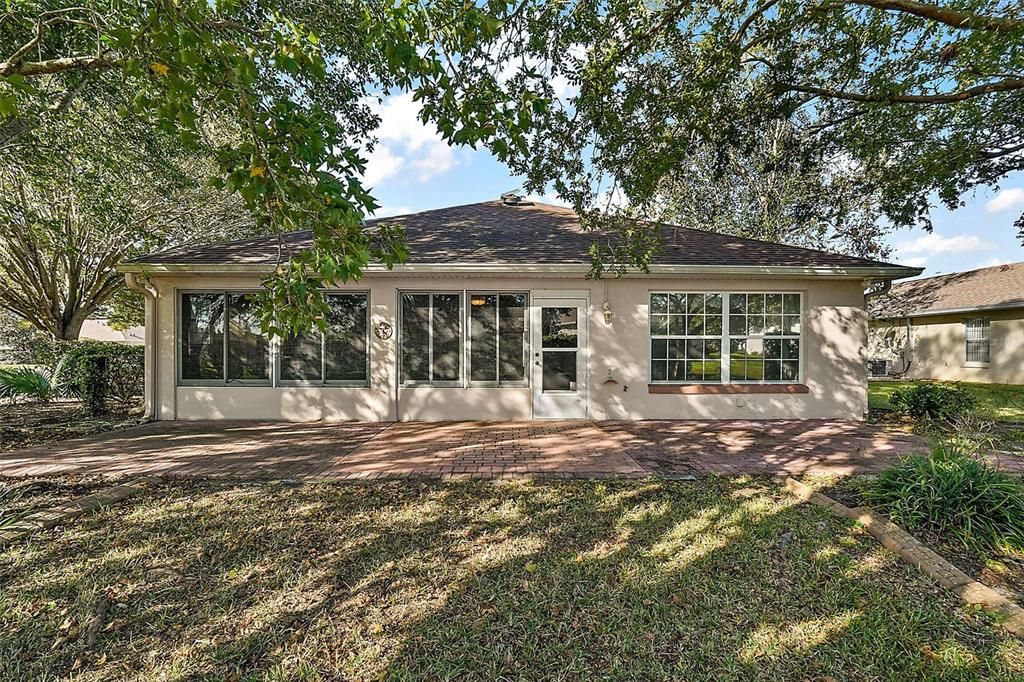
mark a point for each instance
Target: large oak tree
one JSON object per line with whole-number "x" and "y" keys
{"x": 286, "y": 82}
{"x": 912, "y": 102}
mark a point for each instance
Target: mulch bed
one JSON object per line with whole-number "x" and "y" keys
{"x": 26, "y": 425}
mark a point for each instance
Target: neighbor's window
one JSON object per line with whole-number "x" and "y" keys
{"x": 431, "y": 338}
{"x": 764, "y": 337}
{"x": 686, "y": 337}
{"x": 725, "y": 337}
{"x": 211, "y": 356}
{"x": 976, "y": 333}
{"x": 497, "y": 338}
{"x": 338, "y": 355}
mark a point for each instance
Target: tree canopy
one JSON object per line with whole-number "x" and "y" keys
{"x": 821, "y": 116}
{"x": 285, "y": 84}
{"x": 906, "y": 100}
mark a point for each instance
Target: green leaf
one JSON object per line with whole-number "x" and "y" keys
{"x": 8, "y": 105}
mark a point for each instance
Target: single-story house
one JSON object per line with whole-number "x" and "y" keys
{"x": 964, "y": 326}
{"x": 494, "y": 317}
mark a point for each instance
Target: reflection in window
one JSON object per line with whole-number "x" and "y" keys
{"x": 431, "y": 342}
{"x": 202, "y": 337}
{"x": 446, "y": 336}
{"x": 704, "y": 337}
{"x": 559, "y": 327}
{"x": 340, "y": 354}
{"x": 248, "y": 346}
{"x": 345, "y": 341}
{"x": 764, "y": 337}
{"x": 415, "y": 337}
{"x": 559, "y": 370}
{"x": 497, "y": 329}
{"x": 686, "y": 337}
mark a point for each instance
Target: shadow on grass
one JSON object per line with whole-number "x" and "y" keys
{"x": 722, "y": 579}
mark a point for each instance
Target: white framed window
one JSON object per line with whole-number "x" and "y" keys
{"x": 764, "y": 338}
{"x": 686, "y": 337}
{"x": 430, "y": 338}
{"x": 725, "y": 337}
{"x": 497, "y": 338}
{"x": 220, "y": 341}
{"x": 977, "y": 342}
{"x": 338, "y": 356}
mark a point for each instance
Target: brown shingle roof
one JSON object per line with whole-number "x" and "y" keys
{"x": 1000, "y": 286}
{"x": 492, "y": 232}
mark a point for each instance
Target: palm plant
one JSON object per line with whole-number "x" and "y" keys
{"x": 41, "y": 384}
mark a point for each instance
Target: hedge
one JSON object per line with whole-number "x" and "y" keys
{"x": 97, "y": 371}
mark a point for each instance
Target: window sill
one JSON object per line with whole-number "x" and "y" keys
{"x": 726, "y": 389}
{"x": 329, "y": 384}
{"x": 976, "y": 365}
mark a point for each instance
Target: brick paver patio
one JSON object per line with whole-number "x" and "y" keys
{"x": 563, "y": 449}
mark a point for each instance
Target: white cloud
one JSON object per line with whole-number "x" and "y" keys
{"x": 382, "y": 163}
{"x": 438, "y": 159}
{"x": 915, "y": 261}
{"x": 1005, "y": 200}
{"x": 933, "y": 243}
{"x": 994, "y": 262}
{"x": 550, "y": 199}
{"x": 388, "y": 211}
{"x": 404, "y": 141}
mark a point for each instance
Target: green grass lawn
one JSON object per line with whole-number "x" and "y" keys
{"x": 1004, "y": 402}
{"x": 640, "y": 580}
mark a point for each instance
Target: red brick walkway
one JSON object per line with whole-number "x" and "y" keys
{"x": 567, "y": 449}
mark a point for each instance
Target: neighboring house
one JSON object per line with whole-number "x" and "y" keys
{"x": 964, "y": 326}
{"x": 100, "y": 330}
{"x": 493, "y": 317}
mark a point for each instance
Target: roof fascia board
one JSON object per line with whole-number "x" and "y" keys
{"x": 548, "y": 269}
{"x": 951, "y": 311}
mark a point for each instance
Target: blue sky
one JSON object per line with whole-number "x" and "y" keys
{"x": 412, "y": 169}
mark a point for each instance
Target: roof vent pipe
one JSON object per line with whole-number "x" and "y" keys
{"x": 514, "y": 199}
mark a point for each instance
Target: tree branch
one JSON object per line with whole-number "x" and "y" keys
{"x": 1005, "y": 85}
{"x": 59, "y": 65}
{"x": 946, "y": 15}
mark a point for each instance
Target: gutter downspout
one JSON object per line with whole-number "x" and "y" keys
{"x": 152, "y": 341}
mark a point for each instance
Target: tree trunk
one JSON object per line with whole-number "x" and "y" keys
{"x": 70, "y": 330}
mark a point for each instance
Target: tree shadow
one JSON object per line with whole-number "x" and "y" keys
{"x": 727, "y": 578}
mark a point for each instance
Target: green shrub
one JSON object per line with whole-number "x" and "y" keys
{"x": 933, "y": 401}
{"x": 124, "y": 372}
{"x": 956, "y": 495}
{"x": 40, "y": 384}
{"x": 92, "y": 383}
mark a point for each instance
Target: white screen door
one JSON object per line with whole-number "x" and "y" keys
{"x": 558, "y": 362}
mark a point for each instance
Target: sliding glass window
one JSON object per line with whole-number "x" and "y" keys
{"x": 337, "y": 356}
{"x": 497, "y": 339}
{"x": 431, "y": 338}
{"x": 220, "y": 341}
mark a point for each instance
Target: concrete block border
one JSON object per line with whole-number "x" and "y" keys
{"x": 912, "y": 551}
{"x": 54, "y": 516}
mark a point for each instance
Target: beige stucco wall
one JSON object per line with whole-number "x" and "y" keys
{"x": 834, "y": 350}
{"x": 938, "y": 350}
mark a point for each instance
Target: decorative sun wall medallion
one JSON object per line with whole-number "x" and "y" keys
{"x": 383, "y": 330}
